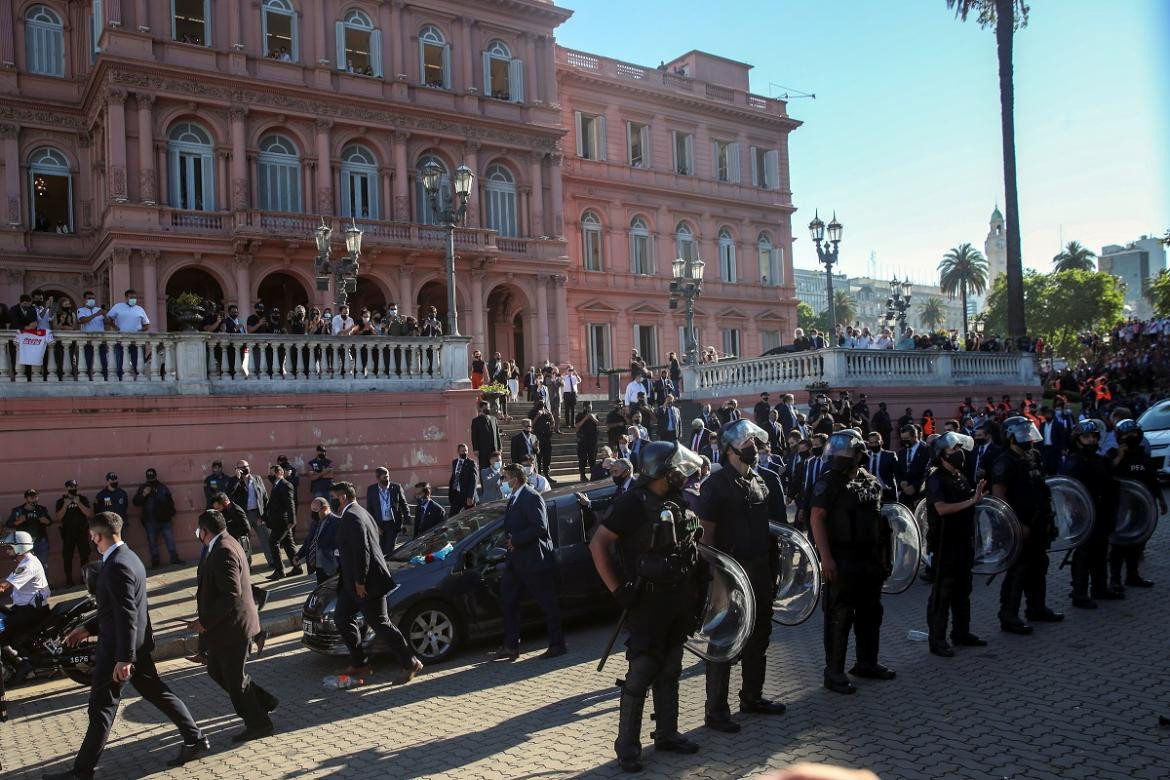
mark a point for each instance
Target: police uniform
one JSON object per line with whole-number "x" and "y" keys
{"x": 738, "y": 508}
{"x": 1086, "y": 465}
{"x": 1022, "y": 476}
{"x": 215, "y": 482}
{"x": 950, "y": 540}
{"x": 1135, "y": 465}
{"x": 30, "y": 601}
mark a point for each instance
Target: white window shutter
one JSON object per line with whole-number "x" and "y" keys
{"x": 691, "y": 155}
{"x": 376, "y": 52}
{"x": 339, "y": 29}
{"x": 487, "y": 74}
{"x": 516, "y": 80}
{"x": 733, "y": 156}
{"x": 580, "y": 133}
{"x": 207, "y": 161}
{"x": 422, "y": 62}
{"x": 296, "y": 37}
{"x": 772, "y": 169}
{"x": 778, "y": 264}
{"x": 755, "y": 170}
{"x": 715, "y": 159}
{"x": 599, "y": 126}
{"x": 446, "y": 66}
{"x": 674, "y": 150}
{"x": 630, "y": 142}
{"x": 645, "y": 131}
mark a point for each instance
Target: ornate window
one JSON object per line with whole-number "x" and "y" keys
{"x": 434, "y": 58}
{"x": 682, "y": 148}
{"x": 765, "y": 168}
{"x": 637, "y": 144}
{"x": 727, "y": 271}
{"x": 641, "y": 256}
{"x": 425, "y": 212}
{"x": 359, "y": 45}
{"x": 499, "y": 189}
{"x": 359, "y": 182}
{"x": 278, "y": 22}
{"x": 50, "y": 191}
{"x": 191, "y": 21}
{"x": 279, "y": 170}
{"x": 44, "y": 42}
{"x": 591, "y": 242}
{"x": 684, "y": 241}
{"x": 771, "y": 262}
{"x": 726, "y": 156}
{"x": 503, "y": 75}
{"x": 191, "y": 168}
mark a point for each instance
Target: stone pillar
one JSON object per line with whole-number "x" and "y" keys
{"x": 119, "y": 273}
{"x": 239, "y": 159}
{"x": 542, "y": 340}
{"x": 319, "y": 55}
{"x": 466, "y": 56}
{"x": 532, "y": 86}
{"x": 147, "y": 179}
{"x": 558, "y": 200}
{"x": 142, "y": 15}
{"x": 7, "y": 40}
{"x": 536, "y": 204}
{"x": 397, "y": 63}
{"x": 407, "y": 303}
{"x": 160, "y": 157}
{"x": 234, "y": 38}
{"x": 401, "y": 178}
{"x": 548, "y": 70}
{"x": 561, "y": 317}
{"x": 222, "y": 177}
{"x": 244, "y": 284}
{"x": 83, "y": 192}
{"x": 478, "y": 324}
{"x": 471, "y": 158}
{"x": 116, "y": 139}
{"x": 113, "y": 13}
{"x": 8, "y": 137}
{"x": 324, "y": 169}
{"x": 150, "y": 292}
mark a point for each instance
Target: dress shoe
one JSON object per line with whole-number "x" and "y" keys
{"x": 1163, "y": 720}
{"x": 260, "y": 596}
{"x": 3, "y": 711}
{"x": 505, "y": 653}
{"x": 873, "y": 672}
{"x": 270, "y": 702}
{"x": 409, "y": 673}
{"x": 177, "y": 562}
{"x": 722, "y": 723}
{"x": 1135, "y": 581}
{"x": 675, "y": 743}
{"x": 942, "y": 649}
{"x": 631, "y": 765}
{"x": 260, "y": 639}
{"x": 197, "y": 658}
{"x": 68, "y": 775}
{"x": 190, "y": 752}
{"x": 1109, "y": 595}
{"x": 1083, "y": 602}
{"x": 276, "y": 575}
{"x": 1015, "y": 626}
{"x": 1045, "y": 615}
{"x": 837, "y": 682}
{"x": 297, "y": 571}
{"x": 260, "y": 732}
{"x": 762, "y": 706}
{"x": 968, "y": 640}
{"x": 553, "y": 652}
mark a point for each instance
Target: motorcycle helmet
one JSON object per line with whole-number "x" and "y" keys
{"x": 659, "y": 458}
{"x": 1021, "y": 430}
{"x": 941, "y": 444}
{"x": 19, "y": 542}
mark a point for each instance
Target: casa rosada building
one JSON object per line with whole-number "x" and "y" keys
{"x": 192, "y": 145}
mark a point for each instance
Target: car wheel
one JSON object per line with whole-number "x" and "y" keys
{"x": 433, "y": 632}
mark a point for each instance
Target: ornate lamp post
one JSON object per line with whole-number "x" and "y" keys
{"x": 344, "y": 269}
{"x": 687, "y": 284}
{"x": 898, "y": 303}
{"x": 828, "y": 252}
{"x": 449, "y": 211}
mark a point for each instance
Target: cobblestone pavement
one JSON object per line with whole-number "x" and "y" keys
{"x": 1076, "y": 700}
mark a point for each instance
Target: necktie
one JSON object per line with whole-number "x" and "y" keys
{"x": 873, "y": 464}
{"x": 695, "y": 445}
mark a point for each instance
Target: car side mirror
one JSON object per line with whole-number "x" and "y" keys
{"x": 496, "y": 555}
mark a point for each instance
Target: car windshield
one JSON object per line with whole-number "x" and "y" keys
{"x": 451, "y": 532}
{"x": 1156, "y": 419}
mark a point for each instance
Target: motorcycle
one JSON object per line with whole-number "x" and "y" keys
{"x": 43, "y": 645}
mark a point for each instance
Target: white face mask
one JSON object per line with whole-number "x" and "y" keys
{"x": 90, "y": 302}
{"x": 505, "y": 489}
{"x": 496, "y": 465}
{"x": 528, "y": 470}
{"x": 132, "y": 301}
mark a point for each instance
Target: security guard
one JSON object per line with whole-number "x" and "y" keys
{"x": 734, "y": 508}
{"x": 1017, "y": 477}
{"x": 1086, "y": 465}
{"x": 29, "y": 590}
{"x": 950, "y": 507}
{"x": 856, "y": 549}
{"x": 1131, "y": 461}
{"x": 661, "y": 584}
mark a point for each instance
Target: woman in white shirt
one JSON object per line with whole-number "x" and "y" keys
{"x": 865, "y": 340}
{"x": 884, "y": 341}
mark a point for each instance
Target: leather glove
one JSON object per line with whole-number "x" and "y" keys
{"x": 626, "y": 595}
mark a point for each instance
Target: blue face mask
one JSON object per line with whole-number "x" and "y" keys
{"x": 505, "y": 489}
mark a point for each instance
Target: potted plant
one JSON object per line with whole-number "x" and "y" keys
{"x": 492, "y": 393}
{"x": 188, "y": 309}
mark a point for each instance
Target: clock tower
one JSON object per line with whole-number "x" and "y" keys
{"x": 995, "y": 248}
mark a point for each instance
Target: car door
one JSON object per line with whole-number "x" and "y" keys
{"x": 580, "y": 583}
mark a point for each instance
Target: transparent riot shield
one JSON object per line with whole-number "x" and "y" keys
{"x": 798, "y": 582}
{"x": 728, "y": 613}
{"x": 907, "y": 548}
{"x": 1137, "y": 513}
{"x": 1074, "y": 513}
{"x": 998, "y": 537}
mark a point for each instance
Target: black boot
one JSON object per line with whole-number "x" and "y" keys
{"x": 628, "y": 744}
{"x": 718, "y": 713}
{"x": 665, "y": 735}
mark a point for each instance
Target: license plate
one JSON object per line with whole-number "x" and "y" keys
{"x": 308, "y": 628}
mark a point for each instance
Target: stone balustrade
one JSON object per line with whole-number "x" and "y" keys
{"x": 100, "y": 364}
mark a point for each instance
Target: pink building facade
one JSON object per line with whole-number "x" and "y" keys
{"x": 186, "y": 145}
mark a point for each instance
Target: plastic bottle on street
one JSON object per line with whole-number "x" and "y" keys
{"x": 917, "y": 636}
{"x": 342, "y": 682}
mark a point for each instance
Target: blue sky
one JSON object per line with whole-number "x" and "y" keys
{"x": 903, "y": 137}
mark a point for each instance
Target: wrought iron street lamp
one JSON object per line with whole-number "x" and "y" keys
{"x": 344, "y": 269}
{"x": 898, "y": 303}
{"x": 828, "y": 252}
{"x": 686, "y": 285}
{"x": 449, "y": 212}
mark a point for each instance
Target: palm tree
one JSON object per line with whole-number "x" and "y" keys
{"x": 1007, "y": 16}
{"x": 963, "y": 270}
{"x": 1075, "y": 257}
{"x": 844, "y": 306}
{"x": 1166, "y": 238}
{"x": 932, "y": 313}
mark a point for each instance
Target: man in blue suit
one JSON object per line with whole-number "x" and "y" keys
{"x": 1053, "y": 442}
{"x": 531, "y": 566}
{"x": 883, "y": 464}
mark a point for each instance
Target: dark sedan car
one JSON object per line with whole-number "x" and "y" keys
{"x": 448, "y": 588}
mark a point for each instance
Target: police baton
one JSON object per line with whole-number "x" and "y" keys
{"x": 618, "y": 628}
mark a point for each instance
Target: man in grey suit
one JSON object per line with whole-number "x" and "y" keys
{"x": 365, "y": 581}
{"x": 125, "y": 641}
{"x": 247, "y": 490}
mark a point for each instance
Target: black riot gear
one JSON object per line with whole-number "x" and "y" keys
{"x": 1088, "y": 560}
{"x": 950, "y": 540}
{"x": 1132, "y": 463}
{"x": 660, "y": 458}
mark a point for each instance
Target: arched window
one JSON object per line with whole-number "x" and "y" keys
{"x": 279, "y": 172}
{"x": 50, "y": 191}
{"x": 726, "y": 256}
{"x": 499, "y": 189}
{"x": 591, "y": 242}
{"x": 191, "y": 21}
{"x": 359, "y": 183}
{"x": 434, "y": 58}
{"x": 426, "y": 214}
{"x": 771, "y": 262}
{"x": 641, "y": 256}
{"x": 359, "y": 45}
{"x": 191, "y": 168}
{"x": 44, "y": 42}
{"x": 684, "y": 242}
{"x": 503, "y": 75}
{"x": 279, "y": 31}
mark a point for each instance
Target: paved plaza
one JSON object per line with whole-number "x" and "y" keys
{"x": 1076, "y": 700}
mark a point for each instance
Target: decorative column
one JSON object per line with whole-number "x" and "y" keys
{"x": 7, "y": 41}
{"x": 548, "y": 70}
{"x": 84, "y": 192}
{"x": 222, "y": 177}
{"x": 466, "y": 56}
{"x": 244, "y": 283}
{"x": 234, "y": 38}
{"x": 542, "y": 341}
{"x": 471, "y": 159}
{"x": 239, "y": 159}
{"x": 142, "y": 15}
{"x": 536, "y": 217}
{"x": 116, "y": 139}
{"x": 8, "y": 135}
{"x": 406, "y": 304}
{"x": 398, "y": 67}
{"x": 478, "y": 324}
{"x": 558, "y": 200}
{"x": 146, "y": 173}
{"x": 561, "y": 296}
{"x": 119, "y": 272}
{"x": 150, "y": 292}
{"x": 113, "y": 13}
{"x": 532, "y": 86}
{"x": 160, "y": 156}
{"x": 401, "y": 178}
{"x": 324, "y": 177}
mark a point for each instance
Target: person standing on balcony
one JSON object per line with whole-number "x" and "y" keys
{"x": 91, "y": 318}
{"x": 127, "y": 317}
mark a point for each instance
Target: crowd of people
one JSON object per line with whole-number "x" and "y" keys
{"x": 862, "y": 337}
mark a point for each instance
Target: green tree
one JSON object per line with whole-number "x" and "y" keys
{"x": 1007, "y": 16}
{"x": 932, "y": 313}
{"x": 1159, "y": 293}
{"x": 806, "y": 319}
{"x": 1061, "y": 305}
{"x": 1166, "y": 238}
{"x": 963, "y": 270}
{"x": 844, "y": 307}
{"x": 1074, "y": 257}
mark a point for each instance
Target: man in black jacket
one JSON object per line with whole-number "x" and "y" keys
{"x": 485, "y": 436}
{"x": 125, "y": 642}
{"x": 158, "y": 510}
{"x": 237, "y": 522}
{"x": 365, "y": 581}
{"x": 427, "y": 513}
{"x": 524, "y": 442}
{"x": 248, "y": 491}
{"x": 881, "y": 423}
{"x": 280, "y": 517}
{"x": 461, "y": 487}
{"x": 913, "y": 461}
{"x": 386, "y": 503}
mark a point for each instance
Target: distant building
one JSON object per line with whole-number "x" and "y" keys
{"x": 810, "y": 287}
{"x": 995, "y": 250}
{"x": 1136, "y": 264}
{"x": 870, "y": 296}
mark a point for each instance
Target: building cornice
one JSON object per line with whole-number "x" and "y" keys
{"x": 530, "y": 9}
{"x": 39, "y": 114}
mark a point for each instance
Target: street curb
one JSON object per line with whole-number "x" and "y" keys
{"x": 182, "y": 646}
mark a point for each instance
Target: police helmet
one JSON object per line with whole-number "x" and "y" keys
{"x": 739, "y": 434}
{"x": 942, "y": 444}
{"x": 1020, "y": 430}
{"x": 659, "y": 458}
{"x": 19, "y": 541}
{"x": 1127, "y": 428}
{"x": 844, "y": 444}
{"x": 1090, "y": 426}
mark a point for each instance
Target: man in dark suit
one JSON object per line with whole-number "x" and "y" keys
{"x": 248, "y": 491}
{"x": 786, "y": 414}
{"x": 978, "y": 464}
{"x": 485, "y": 436}
{"x": 777, "y": 510}
{"x": 1053, "y": 441}
{"x": 125, "y": 641}
{"x": 729, "y": 412}
{"x": 227, "y": 622}
{"x": 669, "y": 420}
{"x": 882, "y": 424}
{"x": 386, "y": 503}
{"x": 428, "y": 513}
{"x": 809, "y": 476}
{"x": 531, "y": 566}
{"x": 524, "y": 442}
{"x": 461, "y": 487}
{"x": 622, "y": 474}
{"x": 365, "y": 581}
{"x": 761, "y": 409}
{"x": 913, "y": 461}
{"x": 637, "y": 443}
{"x": 699, "y": 439}
{"x": 280, "y": 516}
{"x": 883, "y": 464}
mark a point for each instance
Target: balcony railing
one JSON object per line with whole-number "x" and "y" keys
{"x": 88, "y": 364}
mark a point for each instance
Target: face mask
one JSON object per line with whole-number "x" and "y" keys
{"x": 90, "y": 302}
{"x": 817, "y": 451}
{"x": 114, "y": 484}
{"x": 749, "y": 455}
{"x": 956, "y": 459}
{"x": 72, "y": 491}
{"x": 152, "y": 480}
{"x": 244, "y": 471}
{"x": 875, "y": 447}
{"x": 132, "y": 301}
{"x": 496, "y": 465}
{"x": 528, "y": 471}
{"x": 462, "y": 456}
{"x": 1026, "y": 446}
{"x": 506, "y": 489}
{"x": 619, "y": 480}
{"x": 328, "y": 313}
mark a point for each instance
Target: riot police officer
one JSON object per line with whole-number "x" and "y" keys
{"x": 856, "y": 549}
{"x": 950, "y": 508}
{"x": 734, "y": 508}
{"x": 1017, "y": 477}
{"x": 1085, "y": 464}
{"x": 1131, "y": 461}
{"x": 660, "y": 583}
